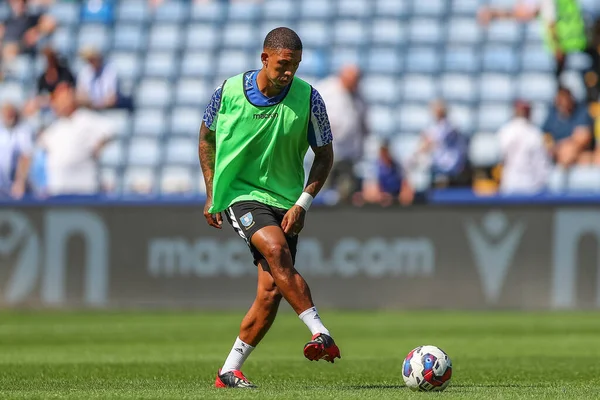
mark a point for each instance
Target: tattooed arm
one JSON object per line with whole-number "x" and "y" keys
{"x": 320, "y": 169}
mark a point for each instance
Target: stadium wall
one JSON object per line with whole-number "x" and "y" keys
{"x": 455, "y": 257}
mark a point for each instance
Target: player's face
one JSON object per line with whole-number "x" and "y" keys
{"x": 281, "y": 66}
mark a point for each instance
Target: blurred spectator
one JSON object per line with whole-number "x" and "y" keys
{"x": 526, "y": 164}
{"x": 347, "y": 114}
{"x": 445, "y": 149}
{"x": 98, "y": 84}
{"x": 22, "y": 31}
{"x": 57, "y": 71}
{"x": 388, "y": 183}
{"x": 564, "y": 32}
{"x": 73, "y": 144}
{"x": 16, "y": 149}
{"x": 569, "y": 130}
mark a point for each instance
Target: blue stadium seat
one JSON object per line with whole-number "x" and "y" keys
{"x": 244, "y": 11}
{"x": 193, "y": 92}
{"x": 381, "y": 120}
{"x": 423, "y": 60}
{"x": 12, "y": 92}
{"x": 534, "y": 35}
{"x": 214, "y": 11}
{"x": 557, "y": 180}
{"x": 139, "y": 179}
{"x": 161, "y": 65}
{"x": 384, "y": 60}
{"x": 413, "y": 118}
{"x": 177, "y": 180}
{"x": 463, "y": 117}
{"x": 95, "y": 35}
{"x": 316, "y": 9}
{"x": 130, "y": 37}
{"x": 345, "y": 55}
{"x": 497, "y": 87}
{"x": 154, "y": 93}
{"x": 111, "y": 180}
{"x": 280, "y": 9}
{"x": 144, "y": 152}
{"x": 539, "y": 113}
{"x": 505, "y": 32}
{"x": 429, "y": 7}
{"x": 149, "y": 122}
{"x": 232, "y": 62}
{"x": 113, "y": 154}
{"x": 456, "y": 87}
{"x": 186, "y": 121}
{"x": 465, "y": 7}
{"x": 182, "y": 151}
{"x": 380, "y": 89}
{"x": 120, "y": 121}
{"x": 484, "y": 150}
{"x": 197, "y": 64}
{"x": 537, "y": 59}
{"x": 133, "y": 11}
{"x": 579, "y": 62}
{"x": 165, "y": 37}
{"x": 500, "y": 59}
{"x": 349, "y": 32}
{"x": 584, "y": 179}
{"x": 313, "y": 63}
{"x": 461, "y": 59}
{"x": 420, "y": 180}
{"x": 404, "y": 146}
{"x": 419, "y": 88}
{"x": 388, "y": 31}
{"x": 23, "y": 69}
{"x": 354, "y": 8}
{"x": 464, "y": 31}
{"x": 391, "y": 9}
{"x": 172, "y": 11}
{"x": 315, "y": 33}
{"x": 492, "y": 116}
{"x": 573, "y": 81}
{"x": 66, "y": 13}
{"x": 240, "y": 36}
{"x": 426, "y": 31}
{"x": 127, "y": 63}
{"x": 202, "y": 37}
{"x": 63, "y": 40}
{"x": 536, "y": 87}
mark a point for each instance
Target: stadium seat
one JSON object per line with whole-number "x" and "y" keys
{"x": 213, "y": 12}
{"x": 313, "y": 63}
{"x": 113, "y": 154}
{"x": 492, "y": 117}
{"x": 497, "y": 87}
{"x": 463, "y": 118}
{"x": 244, "y": 11}
{"x": 341, "y": 56}
{"x": 500, "y": 59}
{"x": 144, "y": 152}
{"x": 172, "y": 11}
{"x": 232, "y": 62}
{"x": 380, "y": 89}
{"x": 202, "y": 37}
{"x": 404, "y": 146}
{"x": 391, "y": 9}
{"x": 165, "y": 37}
{"x": 133, "y": 11}
{"x": 63, "y": 41}
{"x": 280, "y": 9}
{"x": 176, "y": 180}
{"x": 23, "y": 69}
{"x": 381, "y": 120}
{"x": 461, "y": 59}
{"x": 315, "y": 33}
{"x": 484, "y": 150}
{"x": 12, "y": 92}
{"x": 128, "y": 64}
{"x": 456, "y": 87}
{"x": 579, "y": 62}
{"x": 505, "y": 32}
{"x": 110, "y": 180}
{"x": 120, "y": 121}
{"x": 464, "y": 31}
{"x": 534, "y": 35}
{"x": 537, "y": 59}
{"x": 413, "y": 118}
{"x": 465, "y": 7}
{"x": 197, "y": 64}
{"x": 573, "y": 81}
{"x": 584, "y": 179}
{"x": 536, "y": 87}
{"x": 154, "y": 93}
{"x": 240, "y": 36}
{"x": 186, "y": 121}
{"x": 422, "y": 60}
{"x": 139, "y": 180}
{"x": 388, "y": 31}
{"x": 557, "y": 180}
{"x": 316, "y": 9}
{"x": 161, "y": 65}
{"x": 430, "y": 7}
{"x": 354, "y": 8}
{"x": 149, "y": 122}
{"x": 95, "y": 35}
{"x": 420, "y": 180}
{"x": 182, "y": 151}
{"x": 419, "y": 88}
{"x": 129, "y": 37}
{"x": 425, "y": 31}
{"x": 384, "y": 60}
{"x": 349, "y": 32}
{"x": 66, "y": 13}
{"x": 193, "y": 92}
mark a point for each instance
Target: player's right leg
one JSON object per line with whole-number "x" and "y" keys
{"x": 271, "y": 242}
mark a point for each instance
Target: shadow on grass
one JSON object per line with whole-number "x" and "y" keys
{"x": 459, "y": 387}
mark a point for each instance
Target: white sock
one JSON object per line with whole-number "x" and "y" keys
{"x": 311, "y": 318}
{"x": 239, "y": 353}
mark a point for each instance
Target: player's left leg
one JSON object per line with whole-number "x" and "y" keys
{"x": 254, "y": 327}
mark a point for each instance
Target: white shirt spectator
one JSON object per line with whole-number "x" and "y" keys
{"x": 70, "y": 144}
{"x": 526, "y": 162}
{"x": 97, "y": 87}
{"x": 346, "y": 114}
{"x": 14, "y": 143}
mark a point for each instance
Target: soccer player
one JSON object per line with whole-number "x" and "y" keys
{"x": 253, "y": 139}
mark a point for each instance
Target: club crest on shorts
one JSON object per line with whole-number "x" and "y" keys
{"x": 247, "y": 219}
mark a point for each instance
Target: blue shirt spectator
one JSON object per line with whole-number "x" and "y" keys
{"x": 561, "y": 126}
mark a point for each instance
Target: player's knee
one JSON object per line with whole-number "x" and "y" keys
{"x": 276, "y": 252}
{"x": 270, "y": 296}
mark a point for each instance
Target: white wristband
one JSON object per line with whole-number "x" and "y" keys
{"x": 304, "y": 201}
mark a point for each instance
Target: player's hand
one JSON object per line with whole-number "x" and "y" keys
{"x": 214, "y": 220}
{"x": 293, "y": 221}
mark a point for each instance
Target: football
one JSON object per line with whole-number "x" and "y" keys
{"x": 427, "y": 369}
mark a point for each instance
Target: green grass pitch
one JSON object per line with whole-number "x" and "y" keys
{"x": 143, "y": 355}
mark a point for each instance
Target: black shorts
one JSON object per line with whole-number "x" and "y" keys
{"x": 247, "y": 217}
